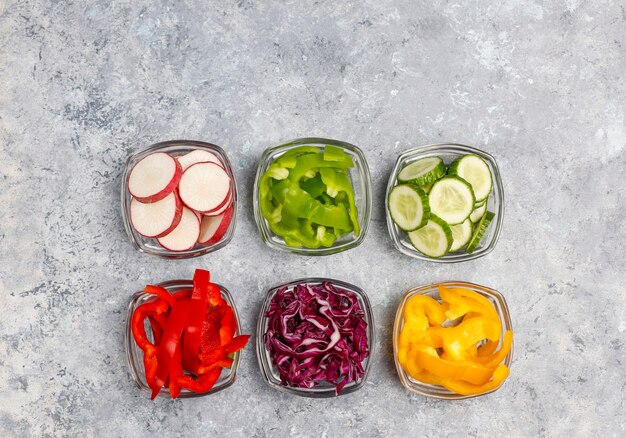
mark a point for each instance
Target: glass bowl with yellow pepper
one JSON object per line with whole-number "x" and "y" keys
{"x": 453, "y": 340}
{"x": 313, "y": 196}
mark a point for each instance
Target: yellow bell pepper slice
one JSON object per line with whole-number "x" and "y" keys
{"x": 464, "y": 388}
{"x": 420, "y": 305}
{"x": 458, "y": 339}
{"x": 461, "y": 370}
{"x": 494, "y": 359}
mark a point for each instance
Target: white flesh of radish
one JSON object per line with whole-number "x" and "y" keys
{"x": 155, "y": 218}
{"x": 213, "y": 228}
{"x": 204, "y": 186}
{"x": 154, "y": 177}
{"x": 209, "y": 226}
{"x": 185, "y": 235}
{"x": 222, "y": 209}
{"x": 198, "y": 156}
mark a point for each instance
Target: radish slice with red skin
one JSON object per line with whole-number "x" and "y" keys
{"x": 154, "y": 177}
{"x": 156, "y": 219}
{"x": 204, "y": 187}
{"x": 213, "y": 228}
{"x": 198, "y": 156}
{"x": 185, "y": 235}
{"x": 222, "y": 209}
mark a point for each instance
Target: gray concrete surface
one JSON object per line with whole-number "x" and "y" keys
{"x": 85, "y": 83}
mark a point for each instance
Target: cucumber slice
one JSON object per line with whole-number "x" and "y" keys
{"x": 475, "y": 171}
{"x": 452, "y": 199}
{"x": 478, "y": 213}
{"x": 480, "y": 203}
{"x": 433, "y": 239}
{"x": 423, "y": 172}
{"x": 408, "y": 206}
{"x": 461, "y": 234}
{"x": 427, "y": 187}
{"x": 479, "y": 232}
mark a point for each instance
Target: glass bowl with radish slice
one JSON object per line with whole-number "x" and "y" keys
{"x": 179, "y": 199}
{"x": 445, "y": 203}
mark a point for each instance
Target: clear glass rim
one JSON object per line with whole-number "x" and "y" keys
{"x": 436, "y": 391}
{"x": 137, "y": 240}
{"x": 497, "y": 181}
{"x": 266, "y": 233}
{"x": 130, "y": 345}
{"x": 326, "y": 391}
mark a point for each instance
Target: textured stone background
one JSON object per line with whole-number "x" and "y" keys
{"x": 84, "y": 84}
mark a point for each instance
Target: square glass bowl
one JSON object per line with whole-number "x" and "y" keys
{"x": 175, "y": 148}
{"x": 361, "y": 183}
{"x": 134, "y": 354}
{"x": 495, "y": 202}
{"x": 436, "y": 391}
{"x": 324, "y": 389}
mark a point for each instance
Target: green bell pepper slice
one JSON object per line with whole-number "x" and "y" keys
{"x": 338, "y": 181}
{"x": 313, "y": 161}
{"x": 334, "y": 153}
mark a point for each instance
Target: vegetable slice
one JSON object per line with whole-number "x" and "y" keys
{"x": 158, "y": 218}
{"x": 198, "y": 156}
{"x": 213, "y": 228}
{"x": 408, "y": 206}
{"x": 204, "y": 186}
{"x": 479, "y": 232}
{"x": 475, "y": 171}
{"x": 433, "y": 239}
{"x": 452, "y": 199}
{"x": 461, "y": 234}
{"x": 154, "y": 177}
{"x": 423, "y": 172}
{"x": 478, "y": 213}
{"x": 185, "y": 235}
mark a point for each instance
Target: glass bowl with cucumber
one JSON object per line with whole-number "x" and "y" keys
{"x": 445, "y": 203}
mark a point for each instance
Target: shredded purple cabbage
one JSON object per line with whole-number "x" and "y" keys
{"x": 316, "y": 334}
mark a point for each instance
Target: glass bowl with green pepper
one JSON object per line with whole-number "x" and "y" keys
{"x": 313, "y": 196}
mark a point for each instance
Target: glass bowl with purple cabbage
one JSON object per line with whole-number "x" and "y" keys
{"x": 315, "y": 337}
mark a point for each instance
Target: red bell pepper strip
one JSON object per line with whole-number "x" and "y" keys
{"x": 214, "y": 295}
{"x": 183, "y": 294}
{"x": 199, "y": 297}
{"x": 176, "y": 371}
{"x": 137, "y": 321}
{"x": 228, "y": 326}
{"x": 150, "y": 365}
{"x": 157, "y": 328}
{"x": 202, "y": 384}
{"x": 225, "y": 362}
{"x": 161, "y": 293}
{"x": 171, "y": 339}
{"x": 237, "y": 344}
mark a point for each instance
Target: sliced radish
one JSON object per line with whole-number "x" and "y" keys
{"x": 154, "y": 177}
{"x": 185, "y": 235}
{"x": 156, "y": 218}
{"x": 227, "y": 203}
{"x": 198, "y": 156}
{"x": 213, "y": 228}
{"x": 204, "y": 186}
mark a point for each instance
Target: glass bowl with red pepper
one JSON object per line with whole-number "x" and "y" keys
{"x": 474, "y": 237}
{"x": 190, "y": 233}
{"x": 172, "y": 349}
{"x": 313, "y": 196}
{"x": 453, "y": 340}
{"x": 315, "y": 337}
